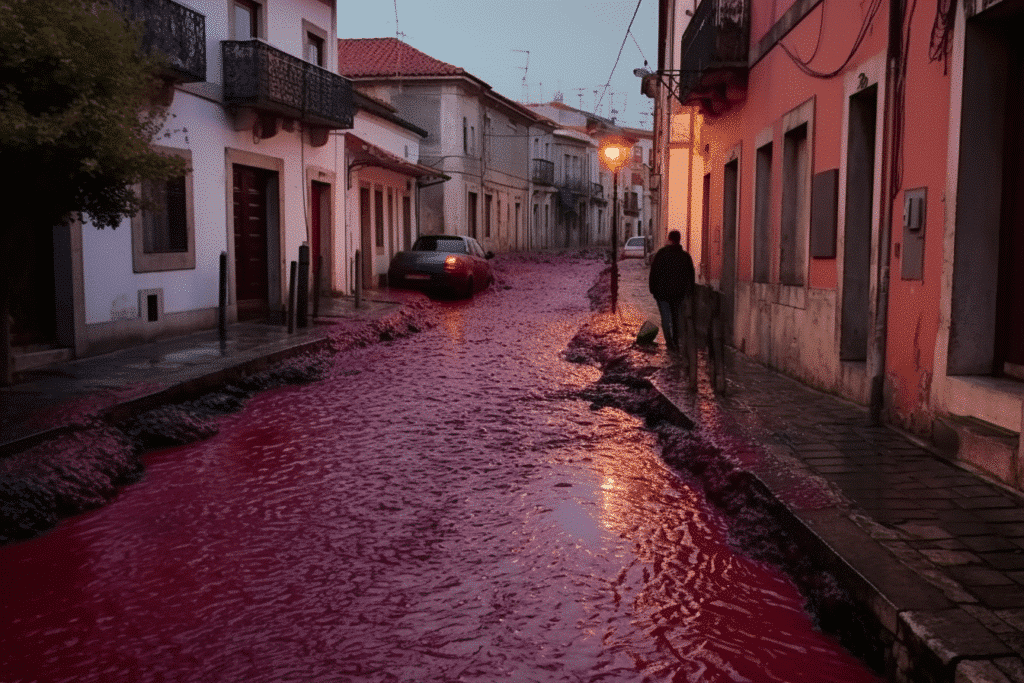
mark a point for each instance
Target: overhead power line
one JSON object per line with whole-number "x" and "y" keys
{"x": 624, "y": 39}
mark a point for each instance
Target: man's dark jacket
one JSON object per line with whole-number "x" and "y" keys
{"x": 672, "y": 275}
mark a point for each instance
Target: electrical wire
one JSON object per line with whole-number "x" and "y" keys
{"x": 617, "y": 57}
{"x": 942, "y": 33}
{"x": 861, "y": 35}
{"x": 821, "y": 31}
{"x": 640, "y": 49}
{"x": 899, "y": 103}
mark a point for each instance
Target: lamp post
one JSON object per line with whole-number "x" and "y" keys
{"x": 614, "y": 154}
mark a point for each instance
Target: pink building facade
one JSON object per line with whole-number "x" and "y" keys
{"x": 860, "y": 201}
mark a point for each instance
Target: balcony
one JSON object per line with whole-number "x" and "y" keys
{"x": 597, "y": 190}
{"x": 714, "y": 53}
{"x": 543, "y": 172}
{"x": 631, "y": 203}
{"x": 173, "y": 31}
{"x": 575, "y": 185}
{"x": 266, "y": 79}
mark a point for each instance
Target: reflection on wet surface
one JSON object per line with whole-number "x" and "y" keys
{"x": 435, "y": 510}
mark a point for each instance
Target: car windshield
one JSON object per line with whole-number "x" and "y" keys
{"x": 635, "y": 242}
{"x": 451, "y": 245}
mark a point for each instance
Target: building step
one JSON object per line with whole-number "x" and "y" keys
{"x": 30, "y": 358}
{"x": 982, "y": 445}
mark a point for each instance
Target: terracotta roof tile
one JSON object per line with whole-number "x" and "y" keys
{"x": 367, "y": 57}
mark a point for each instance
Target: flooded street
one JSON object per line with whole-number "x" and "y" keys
{"x": 439, "y": 508}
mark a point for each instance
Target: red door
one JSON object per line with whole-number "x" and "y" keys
{"x": 319, "y": 202}
{"x": 250, "y": 204}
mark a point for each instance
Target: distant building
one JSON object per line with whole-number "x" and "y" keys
{"x": 383, "y": 184}
{"x": 582, "y": 214}
{"x": 475, "y": 136}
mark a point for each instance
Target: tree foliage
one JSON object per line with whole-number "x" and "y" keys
{"x": 77, "y": 117}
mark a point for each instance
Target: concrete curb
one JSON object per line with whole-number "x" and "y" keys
{"x": 920, "y": 634}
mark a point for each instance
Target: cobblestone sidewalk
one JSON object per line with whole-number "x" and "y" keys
{"x": 934, "y": 551}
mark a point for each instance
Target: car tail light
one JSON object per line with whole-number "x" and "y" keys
{"x": 452, "y": 264}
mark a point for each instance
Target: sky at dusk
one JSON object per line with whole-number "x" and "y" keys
{"x": 572, "y": 45}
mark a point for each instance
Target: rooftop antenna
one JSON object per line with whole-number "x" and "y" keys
{"x": 398, "y": 36}
{"x": 526, "y": 69}
{"x": 579, "y": 93}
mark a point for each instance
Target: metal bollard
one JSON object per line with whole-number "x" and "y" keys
{"x": 318, "y": 269}
{"x": 222, "y": 307}
{"x": 358, "y": 290}
{"x": 290, "y": 312}
{"x": 302, "y": 288}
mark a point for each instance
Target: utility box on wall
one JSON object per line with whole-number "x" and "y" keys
{"x": 914, "y": 202}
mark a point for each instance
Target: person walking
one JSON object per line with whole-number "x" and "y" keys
{"x": 671, "y": 281}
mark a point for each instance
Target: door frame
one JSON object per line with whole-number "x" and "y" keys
{"x": 275, "y": 233}
{"x": 327, "y": 232}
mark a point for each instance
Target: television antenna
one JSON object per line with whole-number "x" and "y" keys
{"x": 526, "y": 69}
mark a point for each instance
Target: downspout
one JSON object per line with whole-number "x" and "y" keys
{"x": 689, "y": 184}
{"x": 877, "y": 350}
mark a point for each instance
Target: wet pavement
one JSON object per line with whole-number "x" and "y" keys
{"x": 440, "y": 507}
{"x": 934, "y": 553}
{"x": 47, "y": 400}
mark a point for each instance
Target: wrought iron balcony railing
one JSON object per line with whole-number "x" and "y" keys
{"x": 575, "y": 185}
{"x": 262, "y": 77}
{"x": 714, "y": 50}
{"x": 597, "y": 190}
{"x": 543, "y": 172}
{"x": 173, "y": 31}
{"x": 631, "y": 203}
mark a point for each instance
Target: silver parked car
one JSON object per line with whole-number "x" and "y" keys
{"x": 635, "y": 247}
{"x": 442, "y": 263}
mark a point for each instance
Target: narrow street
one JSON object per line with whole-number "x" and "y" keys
{"x": 442, "y": 507}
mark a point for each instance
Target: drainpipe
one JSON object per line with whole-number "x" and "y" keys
{"x": 890, "y": 155}
{"x": 689, "y": 183}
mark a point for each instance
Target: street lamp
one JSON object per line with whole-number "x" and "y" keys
{"x": 615, "y": 152}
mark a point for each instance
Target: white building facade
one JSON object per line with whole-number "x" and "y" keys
{"x": 254, "y": 120}
{"x": 475, "y": 136}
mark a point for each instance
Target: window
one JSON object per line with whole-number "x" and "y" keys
{"x": 762, "y": 206}
{"x": 378, "y": 218}
{"x": 465, "y": 136}
{"x": 793, "y": 226}
{"x": 472, "y": 139}
{"x": 407, "y": 220}
{"x": 487, "y": 214}
{"x": 314, "y": 43}
{"x": 246, "y": 16}
{"x": 163, "y": 232}
{"x": 471, "y": 214}
{"x": 314, "y": 49}
{"x": 392, "y": 226}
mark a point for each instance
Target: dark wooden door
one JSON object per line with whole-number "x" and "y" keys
{"x": 320, "y": 219}
{"x": 250, "y": 204}
{"x": 1010, "y": 296}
